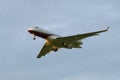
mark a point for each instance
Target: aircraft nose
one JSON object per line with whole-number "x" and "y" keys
{"x": 30, "y": 30}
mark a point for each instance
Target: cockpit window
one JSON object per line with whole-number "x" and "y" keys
{"x": 36, "y": 27}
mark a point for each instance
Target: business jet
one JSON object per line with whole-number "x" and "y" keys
{"x": 55, "y": 42}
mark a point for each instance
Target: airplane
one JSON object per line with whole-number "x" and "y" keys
{"x": 55, "y": 42}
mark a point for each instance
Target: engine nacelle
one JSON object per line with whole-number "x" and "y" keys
{"x": 79, "y": 42}
{"x": 75, "y": 44}
{"x": 67, "y": 45}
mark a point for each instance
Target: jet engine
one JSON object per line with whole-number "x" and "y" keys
{"x": 75, "y": 44}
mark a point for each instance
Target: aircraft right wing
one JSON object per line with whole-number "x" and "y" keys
{"x": 45, "y": 50}
{"x": 79, "y": 36}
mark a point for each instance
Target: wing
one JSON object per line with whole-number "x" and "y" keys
{"x": 46, "y": 49}
{"x": 80, "y": 36}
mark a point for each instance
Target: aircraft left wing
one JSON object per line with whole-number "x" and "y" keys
{"x": 46, "y": 49}
{"x": 80, "y": 36}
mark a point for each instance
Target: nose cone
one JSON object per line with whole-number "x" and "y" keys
{"x": 30, "y": 30}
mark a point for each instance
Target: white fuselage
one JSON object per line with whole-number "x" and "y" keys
{"x": 42, "y": 33}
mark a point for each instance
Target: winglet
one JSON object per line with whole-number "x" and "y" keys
{"x": 107, "y": 28}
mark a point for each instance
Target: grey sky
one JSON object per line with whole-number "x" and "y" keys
{"x": 97, "y": 60}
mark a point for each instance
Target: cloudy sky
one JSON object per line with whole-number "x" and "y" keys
{"x": 99, "y": 59}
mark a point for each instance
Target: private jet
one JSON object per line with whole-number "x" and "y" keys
{"x": 55, "y": 42}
